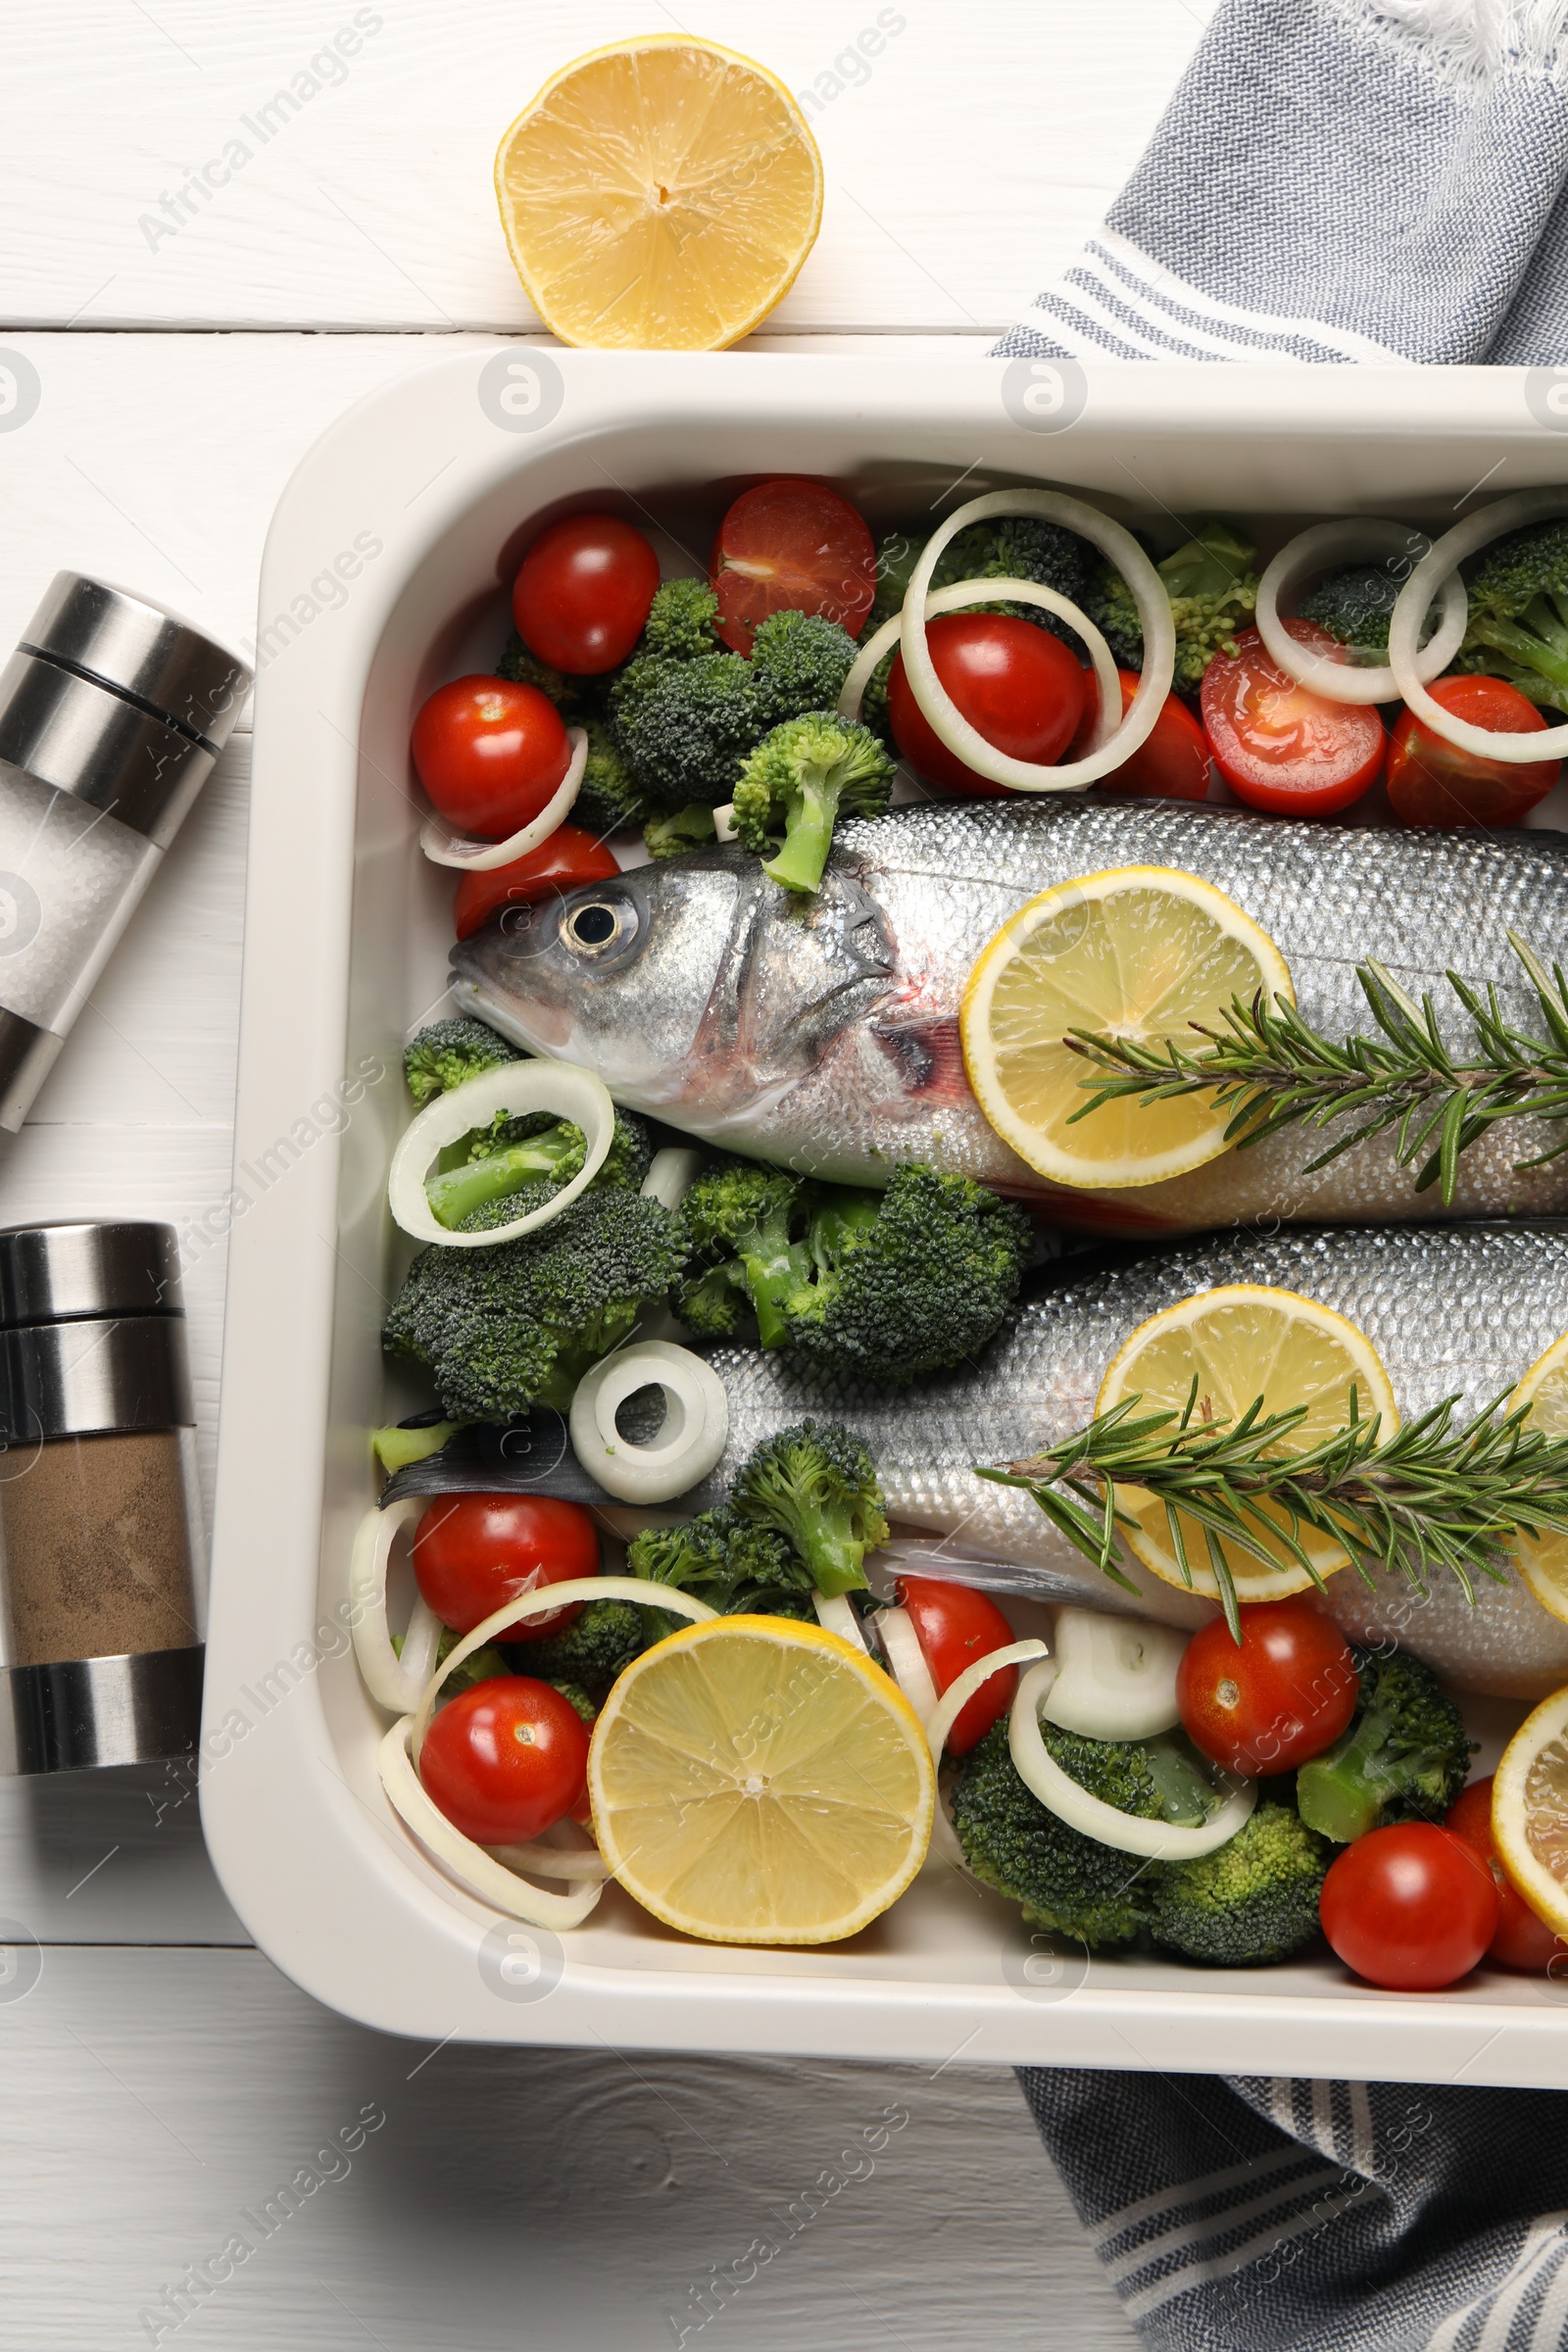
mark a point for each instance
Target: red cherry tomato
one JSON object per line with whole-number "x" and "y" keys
{"x": 1173, "y": 764}
{"x": 1285, "y": 1694}
{"x": 1434, "y": 783}
{"x": 505, "y": 1759}
{"x": 1278, "y": 745}
{"x": 956, "y": 1628}
{"x": 791, "y": 546}
{"x": 473, "y": 1551}
{"x": 568, "y": 859}
{"x": 1522, "y": 1941}
{"x": 583, "y": 593}
{"x": 1017, "y": 685}
{"x": 1411, "y": 1908}
{"x": 490, "y": 753}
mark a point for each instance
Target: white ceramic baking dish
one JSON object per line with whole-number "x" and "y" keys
{"x": 386, "y": 572}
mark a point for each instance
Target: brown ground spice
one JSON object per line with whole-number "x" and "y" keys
{"x": 98, "y": 1548}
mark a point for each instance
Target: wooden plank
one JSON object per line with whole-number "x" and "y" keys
{"x": 964, "y": 159}
{"x": 516, "y": 2199}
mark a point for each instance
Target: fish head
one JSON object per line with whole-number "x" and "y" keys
{"x": 696, "y": 988}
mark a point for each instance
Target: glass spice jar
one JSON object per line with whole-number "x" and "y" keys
{"x": 100, "y": 1514}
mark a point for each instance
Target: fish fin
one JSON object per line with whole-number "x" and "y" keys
{"x": 928, "y": 1056}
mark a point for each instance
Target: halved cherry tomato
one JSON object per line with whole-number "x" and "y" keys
{"x": 1278, "y": 745}
{"x": 1285, "y": 1694}
{"x": 1173, "y": 763}
{"x": 956, "y": 1628}
{"x": 583, "y": 593}
{"x": 1432, "y": 782}
{"x": 1522, "y": 1941}
{"x": 564, "y": 862}
{"x": 1412, "y": 1907}
{"x": 505, "y": 1759}
{"x": 490, "y": 753}
{"x": 791, "y": 546}
{"x": 1016, "y": 685}
{"x": 471, "y": 1552}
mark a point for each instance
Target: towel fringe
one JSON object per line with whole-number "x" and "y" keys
{"x": 1472, "y": 43}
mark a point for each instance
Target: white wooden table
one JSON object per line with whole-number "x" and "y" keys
{"x": 192, "y": 334}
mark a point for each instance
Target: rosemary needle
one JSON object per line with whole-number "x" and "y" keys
{"x": 1272, "y": 1070}
{"x": 1436, "y": 1495}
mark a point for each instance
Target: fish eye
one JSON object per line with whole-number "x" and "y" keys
{"x": 594, "y": 926}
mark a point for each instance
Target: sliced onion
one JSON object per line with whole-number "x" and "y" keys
{"x": 547, "y": 1860}
{"x": 671, "y": 1173}
{"x": 835, "y": 1613}
{"x": 965, "y": 742}
{"x": 964, "y": 593}
{"x": 639, "y": 1589}
{"x": 516, "y": 1087}
{"x": 443, "y": 847}
{"x": 695, "y": 1432}
{"x": 473, "y": 1866}
{"x": 1156, "y": 1840}
{"x": 907, "y": 1661}
{"x": 1116, "y": 1675}
{"x": 1362, "y": 539}
{"x": 393, "y": 1682}
{"x": 958, "y": 1695}
{"x": 1409, "y": 615}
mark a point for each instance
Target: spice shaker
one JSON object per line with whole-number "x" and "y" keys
{"x": 112, "y": 713}
{"x": 100, "y": 1513}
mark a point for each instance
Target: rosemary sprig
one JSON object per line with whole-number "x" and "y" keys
{"x": 1272, "y": 1070}
{"x": 1434, "y": 1496}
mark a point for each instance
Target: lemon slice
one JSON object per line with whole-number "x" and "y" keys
{"x": 659, "y": 195}
{"x": 1139, "y": 952}
{"x": 757, "y": 1780}
{"x": 1529, "y": 1810}
{"x": 1244, "y": 1341}
{"x": 1543, "y": 1559}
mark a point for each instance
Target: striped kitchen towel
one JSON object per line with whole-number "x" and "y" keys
{"x": 1337, "y": 180}
{"x": 1252, "y": 2215}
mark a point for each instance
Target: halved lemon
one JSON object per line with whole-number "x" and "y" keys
{"x": 659, "y": 195}
{"x": 1529, "y": 1810}
{"x": 1139, "y": 952}
{"x": 757, "y": 1780}
{"x": 1244, "y": 1341}
{"x": 1543, "y": 1559}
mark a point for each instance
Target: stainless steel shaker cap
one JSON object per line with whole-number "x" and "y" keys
{"x": 91, "y": 1268}
{"x": 141, "y": 651}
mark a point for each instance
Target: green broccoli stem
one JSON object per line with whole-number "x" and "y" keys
{"x": 833, "y": 1553}
{"x": 1524, "y": 646}
{"x": 1337, "y": 1793}
{"x": 810, "y": 812}
{"x": 456, "y": 1192}
{"x": 775, "y": 1268}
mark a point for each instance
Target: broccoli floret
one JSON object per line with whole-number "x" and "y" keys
{"x": 519, "y": 1323}
{"x": 874, "y": 702}
{"x": 797, "y": 783}
{"x": 680, "y": 622}
{"x": 689, "y": 828}
{"x": 498, "y": 1169}
{"x": 1404, "y": 1757}
{"x": 1518, "y": 627}
{"x": 1014, "y": 547}
{"x": 590, "y": 1652}
{"x": 481, "y": 1666}
{"x": 798, "y": 664}
{"x": 1064, "y": 1881}
{"x": 1252, "y": 1900}
{"x": 737, "y": 1566}
{"x": 610, "y": 798}
{"x": 817, "y": 1484}
{"x": 753, "y": 1220}
{"x": 1354, "y": 606}
{"x": 574, "y": 698}
{"x": 910, "y": 1280}
{"x": 1212, "y": 591}
{"x": 446, "y": 1053}
{"x": 577, "y": 1699}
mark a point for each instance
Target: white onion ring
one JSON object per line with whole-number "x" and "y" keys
{"x": 966, "y": 743}
{"x": 836, "y": 1615}
{"x": 964, "y": 593}
{"x": 584, "y": 1863}
{"x": 393, "y": 1682}
{"x": 516, "y": 1087}
{"x": 1362, "y": 539}
{"x": 671, "y": 1173}
{"x": 907, "y": 1661}
{"x": 687, "y": 1447}
{"x": 958, "y": 1695}
{"x": 639, "y": 1589}
{"x": 1103, "y": 1694}
{"x": 1156, "y": 1840}
{"x": 443, "y": 847}
{"x": 474, "y": 1866}
{"x": 1409, "y": 613}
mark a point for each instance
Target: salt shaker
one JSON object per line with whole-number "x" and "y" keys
{"x": 113, "y": 710}
{"x": 101, "y": 1547}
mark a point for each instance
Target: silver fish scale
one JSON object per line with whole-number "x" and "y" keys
{"x": 1462, "y": 1309}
